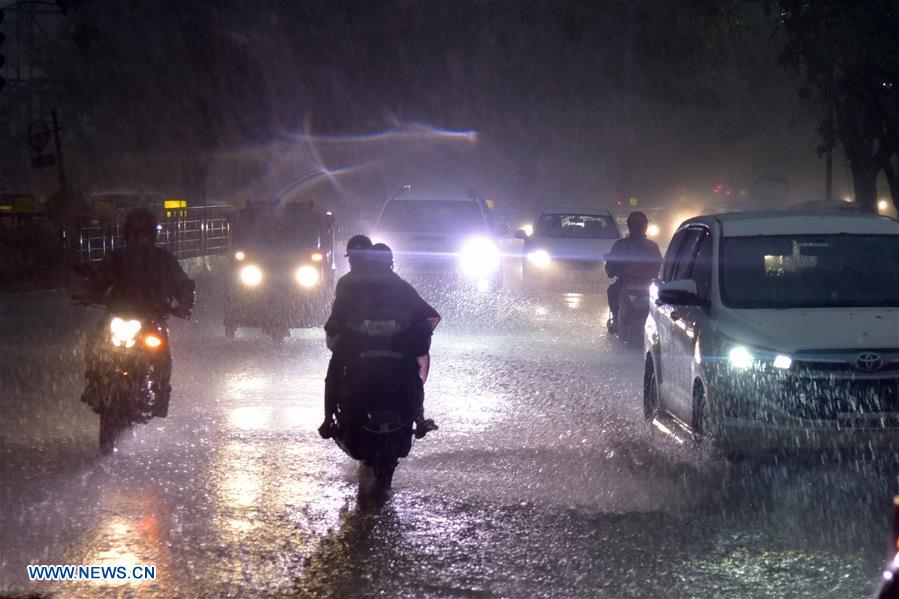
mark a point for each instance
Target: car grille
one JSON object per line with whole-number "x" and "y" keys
{"x": 829, "y": 398}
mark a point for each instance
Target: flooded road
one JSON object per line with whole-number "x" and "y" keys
{"x": 543, "y": 480}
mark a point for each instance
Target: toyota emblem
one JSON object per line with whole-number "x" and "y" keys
{"x": 868, "y": 362}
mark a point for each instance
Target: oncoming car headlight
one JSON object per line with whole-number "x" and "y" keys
{"x": 123, "y": 332}
{"x": 479, "y": 257}
{"x": 539, "y": 258}
{"x": 307, "y": 276}
{"x": 251, "y": 275}
{"x": 652, "y": 230}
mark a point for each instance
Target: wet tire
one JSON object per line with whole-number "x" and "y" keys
{"x": 703, "y": 431}
{"x": 384, "y": 475}
{"x": 650, "y": 391}
{"x": 111, "y": 428}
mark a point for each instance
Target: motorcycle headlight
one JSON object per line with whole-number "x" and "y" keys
{"x": 307, "y": 276}
{"x": 123, "y": 332}
{"x": 152, "y": 341}
{"x": 539, "y": 258}
{"x": 479, "y": 257}
{"x": 251, "y": 275}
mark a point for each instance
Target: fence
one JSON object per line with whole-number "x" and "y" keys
{"x": 185, "y": 232}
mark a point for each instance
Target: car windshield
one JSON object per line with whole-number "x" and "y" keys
{"x": 576, "y": 226}
{"x": 278, "y": 230}
{"x": 431, "y": 216}
{"x": 810, "y": 271}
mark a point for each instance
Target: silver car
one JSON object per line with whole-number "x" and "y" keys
{"x": 777, "y": 331}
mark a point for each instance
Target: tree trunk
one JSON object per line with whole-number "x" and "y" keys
{"x": 864, "y": 183}
{"x": 891, "y": 170}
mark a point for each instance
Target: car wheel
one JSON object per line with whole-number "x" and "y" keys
{"x": 650, "y": 391}
{"x": 703, "y": 430}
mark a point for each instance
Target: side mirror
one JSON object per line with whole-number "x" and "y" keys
{"x": 521, "y": 234}
{"x": 680, "y": 293}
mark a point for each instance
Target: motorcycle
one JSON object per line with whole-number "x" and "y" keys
{"x": 633, "y": 309}
{"x": 379, "y": 395}
{"x": 126, "y": 356}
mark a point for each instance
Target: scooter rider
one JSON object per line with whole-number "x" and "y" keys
{"x": 357, "y": 249}
{"x": 635, "y": 260}
{"x": 145, "y": 279}
{"x": 378, "y": 284}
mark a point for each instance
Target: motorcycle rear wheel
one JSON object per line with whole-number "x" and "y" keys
{"x": 111, "y": 427}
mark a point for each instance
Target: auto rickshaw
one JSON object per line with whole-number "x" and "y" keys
{"x": 281, "y": 270}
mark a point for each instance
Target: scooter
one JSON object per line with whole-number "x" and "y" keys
{"x": 633, "y": 309}
{"x": 122, "y": 378}
{"x": 379, "y": 395}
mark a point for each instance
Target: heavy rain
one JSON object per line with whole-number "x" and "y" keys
{"x": 449, "y": 299}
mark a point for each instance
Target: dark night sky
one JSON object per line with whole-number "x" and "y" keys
{"x": 588, "y": 100}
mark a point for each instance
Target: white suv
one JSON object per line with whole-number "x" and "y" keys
{"x": 777, "y": 330}
{"x": 449, "y": 241}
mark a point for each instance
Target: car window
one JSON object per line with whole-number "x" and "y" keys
{"x": 671, "y": 255}
{"x": 685, "y": 253}
{"x": 701, "y": 271}
{"x": 576, "y": 226}
{"x": 432, "y": 216}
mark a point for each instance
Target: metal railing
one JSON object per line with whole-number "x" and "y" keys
{"x": 185, "y": 232}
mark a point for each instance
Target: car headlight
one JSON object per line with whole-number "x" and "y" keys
{"x": 740, "y": 357}
{"x": 251, "y": 275}
{"x": 652, "y": 230}
{"x": 238, "y": 255}
{"x": 479, "y": 257}
{"x": 539, "y": 258}
{"x": 307, "y": 276}
{"x": 152, "y": 341}
{"x": 123, "y": 332}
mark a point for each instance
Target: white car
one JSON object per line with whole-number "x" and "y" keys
{"x": 567, "y": 242}
{"x": 446, "y": 240}
{"x": 777, "y": 331}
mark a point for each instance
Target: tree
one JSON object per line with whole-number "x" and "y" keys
{"x": 846, "y": 55}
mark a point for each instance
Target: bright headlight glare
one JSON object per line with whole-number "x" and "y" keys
{"x": 652, "y": 230}
{"x": 740, "y": 357}
{"x": 251, "y": 275}
{"x": 239, "y": 256}
{"x": 123, "y": 331}
{"x": 783, "y": 362}
{"x": 317, "y": 257}
{"x": 152, "y": 341}
{"x": 539, "y": 258}
{"x": 479, "y": 257}
{"x": 307, "y": 276}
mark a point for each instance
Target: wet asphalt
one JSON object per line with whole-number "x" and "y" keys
{"x": 543, "y": 480}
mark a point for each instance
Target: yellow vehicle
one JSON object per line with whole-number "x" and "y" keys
{"x": 281, "y": 270}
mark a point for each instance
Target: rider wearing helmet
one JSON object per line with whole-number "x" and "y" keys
{"x": 377, "y": 287}
{"x": 635, "y": 260}
{"x": 143, "y": 279}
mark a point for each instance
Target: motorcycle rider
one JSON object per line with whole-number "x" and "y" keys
{"x": 377, "y": 286}
{"x": 635, "y": 260}
{"x": 143, "y": 279}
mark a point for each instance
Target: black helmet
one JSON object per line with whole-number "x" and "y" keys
{"x": 637, "y": 222}
{"x": 381, "y": 255}
{"x": 140, "y": 226}
{"x": 357, "y": 243}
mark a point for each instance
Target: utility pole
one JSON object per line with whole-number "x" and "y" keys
{"x": 63, "y": 186}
